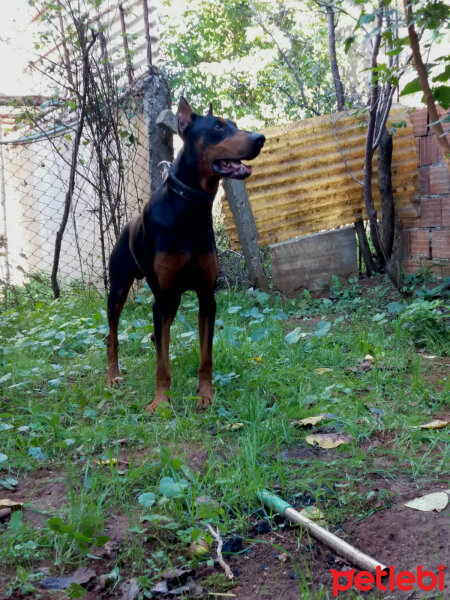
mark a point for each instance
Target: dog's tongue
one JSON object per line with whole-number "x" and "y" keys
{"x": 239, "y": 169}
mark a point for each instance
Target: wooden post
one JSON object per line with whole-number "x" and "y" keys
{"x": 147, "y": 35}
{"x": 160, "y": 140}
{"x": 126, "y": 50}
{"x": 248, "y": 236}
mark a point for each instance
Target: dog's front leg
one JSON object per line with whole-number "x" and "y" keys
{"x": 164, "y": 311}
{"x": 206, "y": 320}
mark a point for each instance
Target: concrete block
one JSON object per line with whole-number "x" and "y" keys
{"x": 311, "y": 261}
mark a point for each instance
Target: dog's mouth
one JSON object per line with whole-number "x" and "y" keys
{"x": 233, "y": 168}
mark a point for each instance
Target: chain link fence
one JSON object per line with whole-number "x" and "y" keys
{"x": 34, "y": 176}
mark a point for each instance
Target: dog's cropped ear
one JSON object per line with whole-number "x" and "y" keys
{"x": 185, "y": 113}
{"x": 209, "y": 113}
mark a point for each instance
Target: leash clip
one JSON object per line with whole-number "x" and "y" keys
{"x": 164, "y": 166}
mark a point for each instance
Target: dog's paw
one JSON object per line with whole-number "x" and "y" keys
{"x": 204, "y": 401}
{"x": 114, "y": 378}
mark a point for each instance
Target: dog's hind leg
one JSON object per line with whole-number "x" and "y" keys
{"x": 206, "y": 319}
{"x": 122, "y": 272}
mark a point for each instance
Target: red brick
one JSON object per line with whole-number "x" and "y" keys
{"x": 440, "y": 244}
{"x": 431, "y": 212}
{"x": 445, "y": 207}
{"x": 441, "y": 269}
{"x": 439, "y": 179}
{"x": 429, "y": 150}
{"x": 419, "y": 121}
{"x": 411, "y": 265}
{"x": 408, "y": 222}
{"x": 419, "y": 242}
{"x": 424, "y": 181}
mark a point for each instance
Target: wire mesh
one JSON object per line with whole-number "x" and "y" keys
{"x": 34, "y": 178}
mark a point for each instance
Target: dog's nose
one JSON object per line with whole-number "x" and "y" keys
{"x": 258, "y": 139}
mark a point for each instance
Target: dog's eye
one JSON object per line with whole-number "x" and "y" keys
{"x": 219, "y": 127}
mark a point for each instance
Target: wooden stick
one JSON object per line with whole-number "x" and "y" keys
{"x": 216, "y": 536}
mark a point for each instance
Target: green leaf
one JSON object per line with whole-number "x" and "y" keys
{"x": 366, "y": 18}
{"x": 323, "y": 328}
{"x": 172, "y": 489}
{"x": 442, "y": 95}
{"x": 444, "y": 76}
{"x": 55, "y": 524}
{"x": 147, "y": 499}
{"x": 411, "y": 88}
{"x": 76, "y": 590}
{"x": 293, "y": 336}
{"x": 37, "y": 454}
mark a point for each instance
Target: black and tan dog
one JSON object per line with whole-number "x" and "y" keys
{"x": 171, "y": 243}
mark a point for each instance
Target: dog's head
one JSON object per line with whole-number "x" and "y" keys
{"x": 216, "y": 146}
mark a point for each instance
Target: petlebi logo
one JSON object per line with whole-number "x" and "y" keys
{"x": 388, "y": 580}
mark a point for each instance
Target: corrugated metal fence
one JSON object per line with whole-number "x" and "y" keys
{"x": 300, "y": 183}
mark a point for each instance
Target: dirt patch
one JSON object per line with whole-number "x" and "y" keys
{"x": 435, "y": 371}
{"x": 279, "y": 565}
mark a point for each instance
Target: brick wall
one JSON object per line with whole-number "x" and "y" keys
{"x": 427, "y": 237}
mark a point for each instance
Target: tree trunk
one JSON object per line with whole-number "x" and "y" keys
{"x": 340, "y": 97}
{"x": 73, "y": 168}
{"x": 248, "y": 236}
{"x": 364, "y": 248}
{"x": 423, "y": 80}
{"x": 387, "y": 198}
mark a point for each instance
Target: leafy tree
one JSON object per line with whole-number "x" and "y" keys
{"x": 266, "y": 59}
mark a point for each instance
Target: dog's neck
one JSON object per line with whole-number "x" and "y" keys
{"x": 189, "y": 173}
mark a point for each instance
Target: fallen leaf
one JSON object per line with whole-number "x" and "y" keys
{"x": 436, "y": 424}
{"x": 107, "y": 461}
{"x": 160, "y": 588}
{"x": 314, "y": 513}
{"x": 328, "y": 440}
{"x": 233, "y": 426}
{"x": 308, "y": 421}
{"x": 129, "y": 590}
{"x": 321, "y": 370}
{"x": 12, "y": 504}
{"x": 176, "y": 574}
{"x": 435, "y": 501}
{"x": 81, "y": 576}
{"x": 283, "y": 557}
{"x": 365, "y": 365}
{"x": 257, "y": 359}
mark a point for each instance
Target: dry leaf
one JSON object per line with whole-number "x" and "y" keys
{"x": 314, "y": 513}
{"x": 308, "y": 421}
{"x": 436, "y": 424}
{"x": 328, "y": 440}
{"x": 233, "y": 426}
{"x": 12, "y": 504}
{"x": 283, "y": 557}
{"x": 257, "y": 359}
{"x": 321, "y": 370}
{"x": 435, "y": 501}
{"x": 108, "y": 461}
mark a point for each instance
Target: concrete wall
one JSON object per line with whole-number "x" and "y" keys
{"x": 312, "y": 260}
{"x": 426, "y": 237}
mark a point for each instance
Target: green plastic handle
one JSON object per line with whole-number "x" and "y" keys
{"x": 272, "y": 501}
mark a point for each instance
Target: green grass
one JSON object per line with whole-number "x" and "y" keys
{"x": 56, "y": 414}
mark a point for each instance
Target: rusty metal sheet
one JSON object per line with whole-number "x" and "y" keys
{"x": 301, "y": 185}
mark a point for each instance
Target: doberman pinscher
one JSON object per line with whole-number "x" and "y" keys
{"x": 171, "y": 243}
